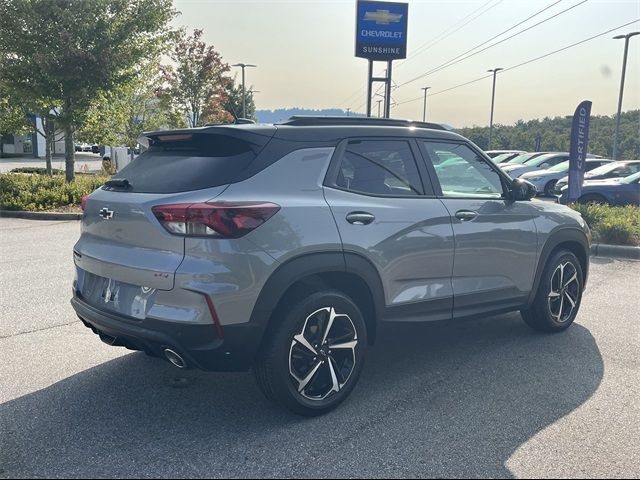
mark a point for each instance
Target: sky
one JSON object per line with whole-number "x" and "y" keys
{"x": 304, "y": 52}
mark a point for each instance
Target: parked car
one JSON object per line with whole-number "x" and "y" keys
{"x": 505, "y": 157}
{"x": 541, "y": 162}
{"x": 86, "y": 147}
{"x": 495, "y": 153}
{"x": 78, "y": 147}
{"x": 284, "y": 248}
{"x": 522, "y": 158}
{"x": 619, "y": 169}
{"x": 95, "y": 148}
{"x": 613, "y": 191}
{"x": 545, "y": 180}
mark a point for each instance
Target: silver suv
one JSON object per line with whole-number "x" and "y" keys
{"x": 282, "y": 248}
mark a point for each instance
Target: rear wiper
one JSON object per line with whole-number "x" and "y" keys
{"x": 118, "y": 183}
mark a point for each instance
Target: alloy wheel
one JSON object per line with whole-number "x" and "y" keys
{"x": 564, "y": 292}
{"x": 322, "y": 356}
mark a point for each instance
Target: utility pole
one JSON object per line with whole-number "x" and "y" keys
{"x": 379, "y": 102}
{"x": 624, "y": 71}
{"x": 244, "y": 98}
{"x": 493, "y": 98}
{"x": 424, "y": 108}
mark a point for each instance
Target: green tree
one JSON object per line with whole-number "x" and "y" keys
{"x": 119, "y": 117}
{"x": 555, "y": 135}
{"x": 13, "y": 120}
{"x": 196, "y": 87}
{"x": 233, "y": 103}
{"x": 67, "y": 52}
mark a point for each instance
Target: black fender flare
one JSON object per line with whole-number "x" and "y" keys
{"x": 558, "y": 237}
{"x": 305, "y": 265}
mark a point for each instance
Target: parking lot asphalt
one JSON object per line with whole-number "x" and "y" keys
{"x": 480, "y": 398}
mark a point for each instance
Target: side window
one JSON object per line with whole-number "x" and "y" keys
{"x": 556, "y": 160}
{"x": 463, "y": 173}
{"x": 379, "y": 167}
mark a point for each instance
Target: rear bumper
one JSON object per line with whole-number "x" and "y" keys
{"x": 199, "y": 345}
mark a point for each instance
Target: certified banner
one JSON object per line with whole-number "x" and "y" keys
{"x": 578, "y": 150}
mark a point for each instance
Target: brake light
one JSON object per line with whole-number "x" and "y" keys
{"x": 215, "y": 219}
{"x": 83, "y": 203}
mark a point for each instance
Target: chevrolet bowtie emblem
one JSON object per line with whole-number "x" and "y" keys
{"x": 106, "y": 213}
{"x": 383, "y": 17}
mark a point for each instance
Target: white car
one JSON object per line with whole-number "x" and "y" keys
{"x": 541, "y": 162}
{"x": 617, "y": 169}
{"x": 545, "y": 180}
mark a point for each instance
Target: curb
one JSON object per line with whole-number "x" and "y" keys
{"x": 615, "y": 251}
{"x": 40, "y": 215}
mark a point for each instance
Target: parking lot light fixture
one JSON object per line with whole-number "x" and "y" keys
{"x": 244, "y": 98}
{"x": 493, "y": 97}
{"x": 624, "y": 70}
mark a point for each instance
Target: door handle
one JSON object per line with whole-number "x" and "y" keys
{"x": 360, "y": 218}
{"x": 466, "y": 215}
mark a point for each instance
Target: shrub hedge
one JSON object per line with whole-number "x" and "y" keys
{"x": 615, "y": 225}
{"x": 33, "y": 192}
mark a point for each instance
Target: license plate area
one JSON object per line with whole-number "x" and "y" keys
{"x": 115, "y": 296}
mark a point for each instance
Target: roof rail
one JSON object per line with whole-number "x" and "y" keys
{"x": 310, "y": 120}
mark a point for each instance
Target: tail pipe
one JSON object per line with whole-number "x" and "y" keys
{"x": 175, "y": 358}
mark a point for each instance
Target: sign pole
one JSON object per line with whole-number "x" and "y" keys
{"x": 387, "y": 109}
{"x": 369, "y": 83}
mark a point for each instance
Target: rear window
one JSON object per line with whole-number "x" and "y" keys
{"x": 189, "y": 161}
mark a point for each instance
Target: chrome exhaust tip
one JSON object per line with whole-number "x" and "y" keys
{"x": 174, "y": 358}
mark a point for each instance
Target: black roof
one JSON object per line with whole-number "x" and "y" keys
{"x": 327, "y": 129}
{"x": 309, "y": 120}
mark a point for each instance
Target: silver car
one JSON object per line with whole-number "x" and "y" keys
{"x": 284, "y": 247}
{"x": 545, "y": 180}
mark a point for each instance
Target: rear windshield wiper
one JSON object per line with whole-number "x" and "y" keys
{"x": 118, "y": 183}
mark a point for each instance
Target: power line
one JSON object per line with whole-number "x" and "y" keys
{"x": 446, "y": 34}
{"x": 467, "y": 54}
{"x": 526, "y": 62}
{"x": 505, "y": 31}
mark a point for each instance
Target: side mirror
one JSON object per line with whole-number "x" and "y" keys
{"x": 522, "y": 190}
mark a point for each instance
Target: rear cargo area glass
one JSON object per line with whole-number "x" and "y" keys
{"x": 181, "y": 163}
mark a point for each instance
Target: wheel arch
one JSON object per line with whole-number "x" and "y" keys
{"x": 572, "y": 239}
{"x": 349, "y": 273}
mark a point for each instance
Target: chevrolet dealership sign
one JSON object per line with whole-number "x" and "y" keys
{"x": 381, "y": 30}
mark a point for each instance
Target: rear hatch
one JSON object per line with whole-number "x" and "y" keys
{"x": 122, "y": 241}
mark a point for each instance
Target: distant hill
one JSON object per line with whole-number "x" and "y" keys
{"x": 271, "y": 116}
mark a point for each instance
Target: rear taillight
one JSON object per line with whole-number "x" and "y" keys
{"x": 215, "y": 219}
{"x": 83, "y": 203}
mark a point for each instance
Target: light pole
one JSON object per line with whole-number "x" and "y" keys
{"x": 493, "y": 98}
{"x": 624, "y": 70}
{"x": 244, "y": 99}
{"x": 348, "y": 112}
{"x": 424, "y": 108}
{"x": 382, "y": 99}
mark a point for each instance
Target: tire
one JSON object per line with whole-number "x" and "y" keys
{"x": 549, "y": 188}
{"x": 555, "y": 306}
{"x": 296, "y": 370}
{"x": 593, "y": 198}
